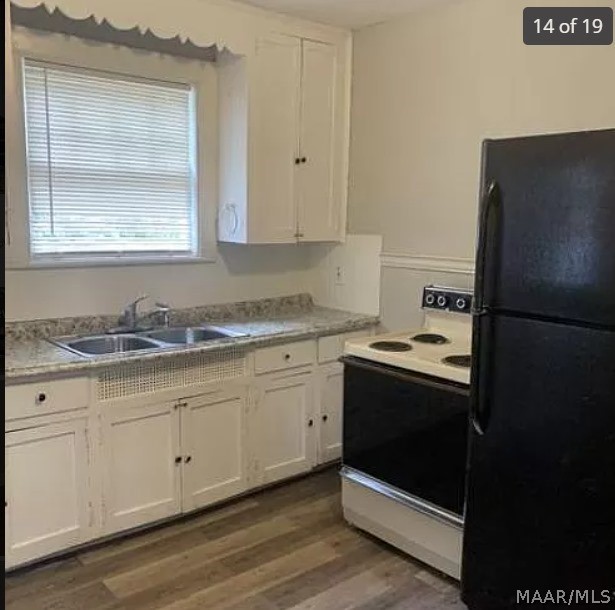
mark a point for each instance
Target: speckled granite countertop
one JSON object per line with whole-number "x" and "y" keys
{"x": 29, "y": 356}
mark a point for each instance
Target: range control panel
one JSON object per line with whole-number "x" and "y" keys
{"x": 447, "y": 299}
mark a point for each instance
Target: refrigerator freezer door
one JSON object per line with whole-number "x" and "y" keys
{"x": 550, "y": 235}
{"x": 541, "y": 480}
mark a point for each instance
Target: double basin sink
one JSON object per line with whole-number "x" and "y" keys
{"x": 156, "y": 339}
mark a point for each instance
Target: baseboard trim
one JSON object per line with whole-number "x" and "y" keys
{"x": 397, "y": 260}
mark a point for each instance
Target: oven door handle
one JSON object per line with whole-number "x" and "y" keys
{"x": 401, "y": 496}
{"x": 404, "y": 375}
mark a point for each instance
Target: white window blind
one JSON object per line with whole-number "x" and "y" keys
{"x": 111, "y": 168}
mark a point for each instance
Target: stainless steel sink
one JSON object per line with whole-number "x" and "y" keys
{"x": 107, "y": 344}
{"x": 160, "y": 338}
{"x": 188, "y": 335}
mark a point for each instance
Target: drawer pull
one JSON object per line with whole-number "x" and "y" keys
{"x": 42, "y": 397}
{"x": 281, "y": 357}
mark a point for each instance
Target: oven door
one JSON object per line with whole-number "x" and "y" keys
{"x": 406, "y": 430}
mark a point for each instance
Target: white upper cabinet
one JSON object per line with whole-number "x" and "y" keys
{"x": 274, "y": 145}
{"x": 318, "y": 206}
{"x": 282, "y": 143}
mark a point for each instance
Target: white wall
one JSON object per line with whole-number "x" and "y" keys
{"x": 347, "y": 276}
{"x": 427, "y": 89}
{"x": 241, "y": 273}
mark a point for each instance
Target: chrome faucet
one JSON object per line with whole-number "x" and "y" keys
{"x": 128, "y": 319}
{"x": 163, "y": 312}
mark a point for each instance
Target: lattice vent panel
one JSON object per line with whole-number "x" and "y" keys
{"x": 134, "y": 378}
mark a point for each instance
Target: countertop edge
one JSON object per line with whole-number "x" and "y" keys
{"x": 14, "y": 376}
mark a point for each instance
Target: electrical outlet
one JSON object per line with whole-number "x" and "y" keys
{"x": 339, "y": 275}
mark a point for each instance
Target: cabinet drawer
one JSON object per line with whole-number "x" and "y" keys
{"x": 286, "y": 356}
{"x": 44, "y": 397}
{"x": 331, "y": 348}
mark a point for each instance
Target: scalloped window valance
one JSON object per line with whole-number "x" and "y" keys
{"x": 54, "y": 20}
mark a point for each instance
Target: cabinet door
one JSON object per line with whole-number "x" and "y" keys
{"x": 330, "y": 412}
{"x": 319, "y": 210}
{"x": 142, "y": 464}
{"x": 47, "y": 495}
{"x": 213, "y": 447}
{"x": 274, "y": 129}
{"x": 285, "y": 420}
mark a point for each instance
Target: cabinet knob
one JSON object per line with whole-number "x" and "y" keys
{"x": 311, "y": 423}
{"x": 188, "y": 459}
{"x": 42, "y": 397}
{"x": 297, "y": 161}
{"x": 178, "y": 460}
{"x": 325, "y": 417}
{"x": 286, "y": 356}
{"x": 303, "y": 159}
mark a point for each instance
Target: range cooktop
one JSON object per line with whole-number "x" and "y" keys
{"x": 390, "y": 346}
{"x": 440, "y": 348}
{"x": 431, "y": 338}
{"x": 461, "y": 360}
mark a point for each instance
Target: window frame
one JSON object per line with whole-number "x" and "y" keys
{"x": 133, "y": 64}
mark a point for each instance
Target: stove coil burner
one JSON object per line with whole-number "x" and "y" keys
{"x": 463, "y": 361}
{"x": 432, "y": 338}
{"x": 391, "y": 346}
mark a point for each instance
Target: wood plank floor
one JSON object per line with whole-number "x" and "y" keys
{"x": 286, "y": 547}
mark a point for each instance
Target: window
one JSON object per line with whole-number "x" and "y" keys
{"x": 111, "y": 164}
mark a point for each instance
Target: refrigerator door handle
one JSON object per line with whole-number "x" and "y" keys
{"x": 480, "y": 409}
{"x": 491, "y": 199}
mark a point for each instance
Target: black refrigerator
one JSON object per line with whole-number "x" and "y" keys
{"x": 540, "y": 502}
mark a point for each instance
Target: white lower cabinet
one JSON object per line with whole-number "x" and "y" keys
{"x": 141, "y": 464}
{"x": 47, "y": 495}
{"x": 214, "y": 448}
{"x": 331, "y": 398}
{"x": 121, "y": 464}
{"x": 166, "y": 458}
{"x": 285, "y": 426}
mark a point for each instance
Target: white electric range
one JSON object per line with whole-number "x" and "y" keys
{"x": 406, "y": 417}
{"x": 441, "y": 348}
